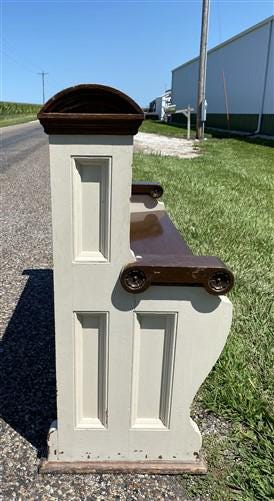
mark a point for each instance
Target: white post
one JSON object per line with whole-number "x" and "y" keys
{"x": 187, "y": 113}
{"x": 188, "y": 122}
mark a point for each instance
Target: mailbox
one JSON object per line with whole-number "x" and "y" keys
{"x": 139, "y": 320}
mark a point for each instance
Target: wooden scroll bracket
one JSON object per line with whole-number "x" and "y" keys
{"x": 154, "y": 190}
{"x": 207, "y": 271}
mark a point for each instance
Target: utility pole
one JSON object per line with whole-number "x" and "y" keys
{"x": 42, "y": 73}
{"x": 201, "y": 102}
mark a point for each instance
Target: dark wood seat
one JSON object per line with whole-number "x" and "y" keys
{"x": 162, "y": 257}
{"x": 154, "y": 233}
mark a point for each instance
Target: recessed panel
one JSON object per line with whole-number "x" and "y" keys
{"x": 91, "y": 367}
{"x": 91, "y": 208}
{"x": 154, "y": 343}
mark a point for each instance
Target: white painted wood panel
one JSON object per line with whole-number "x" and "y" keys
{"x": 91, "y": 208}
{"x": 144, "y": 203}
{"x": 180, "y": 330}
{"x": 91, "y": 369}
{"x": 153, "y": 356}
{"x": 201, "y": 327}
{"x": 88, "y": 286}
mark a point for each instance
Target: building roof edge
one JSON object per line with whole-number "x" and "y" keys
{"x": 229, "y": 40}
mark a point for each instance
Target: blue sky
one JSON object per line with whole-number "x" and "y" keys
{"x": 130, "y": 45}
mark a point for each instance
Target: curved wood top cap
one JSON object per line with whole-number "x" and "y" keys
{"x": 91, "y": 109}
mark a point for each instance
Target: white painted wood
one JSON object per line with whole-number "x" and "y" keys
{"x": 152, "y": 375}
{"x": 52, "y": 442}
{"x": 91, "y": 370}
{"x": 203, "y": 323}
{"x": 128, "y": 366}
{"x": 91, "y": 196}
{"x": 89, "y": 287}
{"x": 144, "y": 203}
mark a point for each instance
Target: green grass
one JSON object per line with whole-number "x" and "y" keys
{"x": 16, "y": 119}
{"x": 16, "y": 113}
{"x": 156, "y": 127}
{"x": 221, "y": 203}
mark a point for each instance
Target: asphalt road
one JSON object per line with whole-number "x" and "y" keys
{"x": 25, "y": 206}
{"x": 19, "y": 142}
{"x": 27, "y": 360}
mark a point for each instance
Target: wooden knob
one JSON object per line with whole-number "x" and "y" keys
{"x": 220, "y": 282}
{"x": 134, "y": 280}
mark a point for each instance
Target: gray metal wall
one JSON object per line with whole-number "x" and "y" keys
{"x": 269, "y": 95}
{"x": 241, "y": 62}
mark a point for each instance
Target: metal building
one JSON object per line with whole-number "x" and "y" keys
{"x": 240, "y": 82}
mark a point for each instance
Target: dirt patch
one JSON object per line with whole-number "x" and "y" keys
{"x": 165, "y": 146}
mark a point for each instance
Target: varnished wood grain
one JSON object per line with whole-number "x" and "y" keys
{"x": 150, "y": 467}
{"x": 91, "y": 109}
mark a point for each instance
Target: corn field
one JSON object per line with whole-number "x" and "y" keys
{"x": 7, "y": 108}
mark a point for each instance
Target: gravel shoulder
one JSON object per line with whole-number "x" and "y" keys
{"x": 165, "y": 146}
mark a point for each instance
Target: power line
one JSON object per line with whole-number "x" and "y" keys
{"x": 28, "y": 65}
{"x": 26, "y": 58}
{"x": 18, "y": 62}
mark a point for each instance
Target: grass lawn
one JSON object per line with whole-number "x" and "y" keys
{"x": 156, "y": 127}
{"x": 221, "y": 203}
{"x": 16, "y": 119}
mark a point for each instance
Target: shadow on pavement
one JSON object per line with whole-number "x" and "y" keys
{"x": 27, "y": 363}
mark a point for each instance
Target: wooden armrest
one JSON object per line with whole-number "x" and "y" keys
{"x": 154, "y": 190}
{"x": 164, "y": 258}
{"x": 206, "y": 271}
